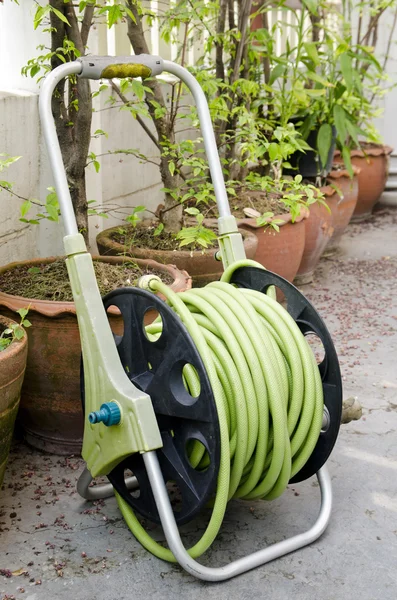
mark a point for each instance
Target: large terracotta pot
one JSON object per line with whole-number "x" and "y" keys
{"x": 50, "y": 411}
{"x": 373, "y": 162}
{"x": 12, "y": 370}
{"x": 347, "y": 189}
{"x": 201, "y": 265}
{"x": 318, "y": 231}
{"x": 280, "y": 252}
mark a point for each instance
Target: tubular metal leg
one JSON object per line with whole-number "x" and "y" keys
{"x": 98, "y": 492}
{"x": 243, "y": 564}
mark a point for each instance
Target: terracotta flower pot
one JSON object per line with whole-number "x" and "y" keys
{"x": 347, "y": 190}
{"x": 280, "y": 252}
{"x": 373, "y": 163}
{"x": 50, "y": 411}
{"x": 318, "y": 231}
{"x": 201, "y": 265}
{"x": 12, "y": 370}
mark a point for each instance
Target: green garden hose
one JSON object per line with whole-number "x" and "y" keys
{"x": 267, "y": 389}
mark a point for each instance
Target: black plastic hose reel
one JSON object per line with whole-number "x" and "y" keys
{"x": 308, "y": 321}
{"x": 156, "y": 367}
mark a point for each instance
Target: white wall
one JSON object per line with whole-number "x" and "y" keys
{"x": 18, "y": 42}
{"x": 388, "y": 123}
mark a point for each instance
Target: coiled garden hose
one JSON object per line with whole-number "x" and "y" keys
{"x": 267, "y": 389}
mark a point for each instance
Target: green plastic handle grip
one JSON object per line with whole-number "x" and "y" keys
{"x": 108, "y": 67}
{"x": 120, "y": 70}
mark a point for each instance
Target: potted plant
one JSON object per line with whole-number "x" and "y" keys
{"x": 193, "y": 247}
{"x": 50, "y": 409}
{"x": 346, "y": 188}
{"x": 276, "y": 212}
{"x": 366, "y": 82}
{"x": 13, "y": 354}
{"x": 294, "y": 91}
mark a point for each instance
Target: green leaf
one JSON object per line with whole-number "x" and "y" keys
{"x": 311, "y": 49}
{"x": 311, "y": 5}
{"x": 130, "y": 14}
{"x": 138, "y": 89}
{"x": 27, "y": 323}
{"x": 347, "y": 160}
{"x": 52, "y": 211}
{"x": 25, "y": 208}
{"x": 114, "y": 14}
{"x": 324, "y": 141}
{"x": 158, "y": 229}
{"x": 171, "y": 167}
{"x": 339, "y": 90}
{"x": 34, "y": 270}
{"x": 101, "y": 132}
{"x": 192, "y": 211}
{"x": 277, "y": 72}
{"x": 273, "y": 151}
{"x": 19, "y": 332}
{"x": 23, "y": 312}
{"x": 39, "y": 14}
{"x": 60, "y": 16}
{"x": 340, "y": 122}
{"x": 319, "y": 79}
{"x": 346, "y": 66}
{"x": 353, "y": 131}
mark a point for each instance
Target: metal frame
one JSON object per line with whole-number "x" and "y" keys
{"x": 87, "y": 299}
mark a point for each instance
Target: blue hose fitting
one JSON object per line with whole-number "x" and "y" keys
{"x": 109, "y": 414}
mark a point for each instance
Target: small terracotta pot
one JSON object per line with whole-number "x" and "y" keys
{"x": 12, "y": 370}
{"x": 201, "y": 265}
{"x": 347, "y": 190}
{"x": 318, "y": 231}
{"x": 280, "y": 252}
{"x": 373, "y": 162}
{"x": 50, "y": 411}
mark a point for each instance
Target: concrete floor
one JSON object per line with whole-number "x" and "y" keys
{"x": 65, "y": 548}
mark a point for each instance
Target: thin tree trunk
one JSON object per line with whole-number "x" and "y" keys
{"x": 172, "y": 214}
{"x": 73, "y": 124}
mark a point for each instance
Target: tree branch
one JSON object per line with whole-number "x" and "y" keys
{"x": 87, "y": 22}
{"x": 126, "y": 102}
{"x": 220, "y": 30}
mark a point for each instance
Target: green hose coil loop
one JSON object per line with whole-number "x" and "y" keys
{"x": 267, "y": 389}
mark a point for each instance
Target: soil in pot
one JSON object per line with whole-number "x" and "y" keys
{"x": 373, "y": 162}
{"x": 318, "y": 232}
{"x": 140, "y": 242}
{"x": 50, "y": 411}
{"x": 49, "y": 281}
{"x": 342, "y": 212}
{"x": 12, "y": 369}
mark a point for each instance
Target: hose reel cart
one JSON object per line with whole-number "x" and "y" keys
{"x": 221, "y": 395}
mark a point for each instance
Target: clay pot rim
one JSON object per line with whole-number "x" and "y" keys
{"x": 328, "y": 191}
{"x": 286, "y": 218}
{"x": 117, "y": 247}
{"x": 54, "y": 308}
{"x": 372, "y": 150}
{"x": 16, "y": 347}
{"x": 338, "y": 174}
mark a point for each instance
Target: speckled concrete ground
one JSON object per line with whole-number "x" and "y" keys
{"x": 53, "y": 545}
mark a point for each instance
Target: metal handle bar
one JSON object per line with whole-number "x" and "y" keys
{"x": 95, "y": 67}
